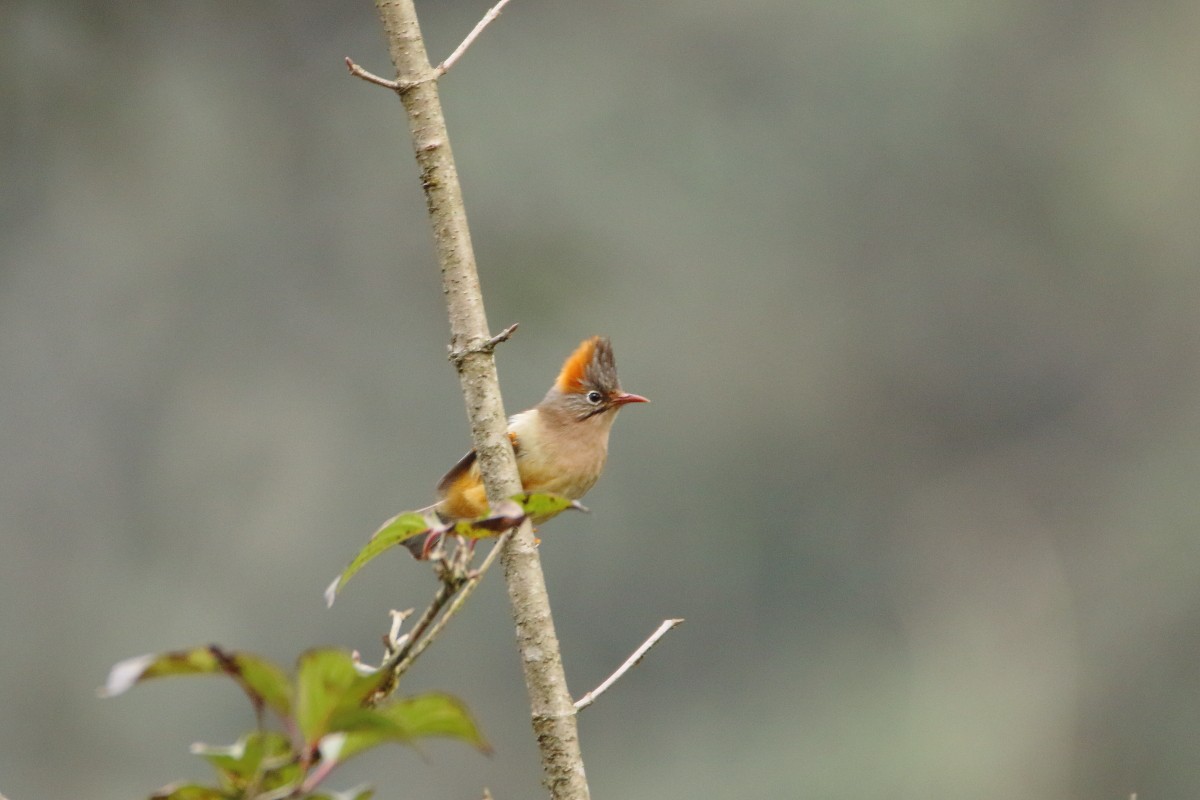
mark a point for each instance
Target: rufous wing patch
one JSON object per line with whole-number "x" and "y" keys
{"x": 456, "y": 472}
{"x": 461, "y": 489}
{"x": 466, "y": 499}
{"x": 464, "y": 464}
{"x": 570, "y": 379}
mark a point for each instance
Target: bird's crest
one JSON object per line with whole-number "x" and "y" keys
{"x": 592, "y": 364}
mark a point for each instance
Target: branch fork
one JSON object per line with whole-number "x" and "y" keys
{"x": 400, "y": 87}
{"x": 487, "y": 347}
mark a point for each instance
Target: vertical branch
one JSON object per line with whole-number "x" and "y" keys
{"x": 550, "y": 701}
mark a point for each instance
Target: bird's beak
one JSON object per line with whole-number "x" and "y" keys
{"x": 626, "y": 397}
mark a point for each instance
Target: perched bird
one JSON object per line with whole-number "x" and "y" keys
{"x": 561, "y": 444}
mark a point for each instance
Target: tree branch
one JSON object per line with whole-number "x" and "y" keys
{"x": 551, "y": 707}
{"x": 630, "y": 663}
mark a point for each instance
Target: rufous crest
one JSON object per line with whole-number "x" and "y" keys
{"x": 592, "y": 364}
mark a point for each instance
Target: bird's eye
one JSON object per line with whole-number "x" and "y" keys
{"x": 594, "y": 397}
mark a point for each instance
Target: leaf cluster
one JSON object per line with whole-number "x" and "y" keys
{"x": 327, "y": 712}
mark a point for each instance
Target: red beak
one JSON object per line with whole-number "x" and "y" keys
{"x": 626, "y": 397}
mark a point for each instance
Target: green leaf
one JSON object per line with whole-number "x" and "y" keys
{"x": 499, "y": 518}
{"x": 358, "y": 732}
{"x": 400, "y": 527}
{"x": 126, "y": 674}
{"x": 403, "y": 721}
{"x": 246, "y": 765}
{"x": 267, "y": 680}
{"x": 262, "y": 681}
{"x": 252, "y": 755}
{"x": 327, "y": 684}
{"x": 541, "y": 506}
{"x": 435, "y": 714}
{"x": 323, "y": 678}
{"x": 365, "y": 720}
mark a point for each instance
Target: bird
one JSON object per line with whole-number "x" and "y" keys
{"x": 561, "y": 444}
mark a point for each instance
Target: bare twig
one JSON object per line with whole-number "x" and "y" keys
{"x": 393, "y": 641}
{"x": 486, "y": 347}
{"x": 397, "y": 648}
{"x": 629, "y": 664}
{"x": 371, "y": 77}
{"x": 491, "y": 15}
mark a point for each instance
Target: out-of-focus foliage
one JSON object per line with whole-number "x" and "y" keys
{"x": 913, "y": 288}
{"x": 330, "y": 720}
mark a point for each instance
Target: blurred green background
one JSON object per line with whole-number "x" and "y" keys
{"x": 914, "y": 287}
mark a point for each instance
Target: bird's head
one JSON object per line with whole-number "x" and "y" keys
{"x": 587, "y": 385}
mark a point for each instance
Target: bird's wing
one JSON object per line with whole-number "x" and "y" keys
{"x": 465, "y": 463}
{"x": 456, "y": 472}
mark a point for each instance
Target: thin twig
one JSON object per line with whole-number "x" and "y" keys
{"x": 494, "y": 12}
{"x": 455, "y": 588}
{"x": 396, "y": 652}
{"x": 398, "y": 618}
{"x": 440, "y": 598}
{"x": 371, "y": 77}
{"x": 418, "y": 647}
{"x": 487, "y": 347}
{"x": 629, "y": 664}
{"x": 392, "y": 640}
